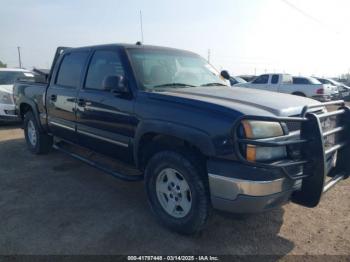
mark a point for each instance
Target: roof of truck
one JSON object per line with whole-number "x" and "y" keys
{"x": 134, "y": 46}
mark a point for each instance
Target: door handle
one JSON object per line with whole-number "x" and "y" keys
{"x": 53, "y": 98}
{"x": 81, "y": 102}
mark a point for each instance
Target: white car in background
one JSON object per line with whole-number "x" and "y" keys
{"x": 8, "y": 76}
{"x": 301, "y": 86}
{"x": 344, "y": 90}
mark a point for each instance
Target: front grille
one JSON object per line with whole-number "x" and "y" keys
{"x": 10, "y": 112}
{"x": 328, "y": 124}
{"x": 296, "y": 125}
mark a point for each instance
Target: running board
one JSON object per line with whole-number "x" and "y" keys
{"x": 99, "y": 166}
{"x": 335, "y": 180}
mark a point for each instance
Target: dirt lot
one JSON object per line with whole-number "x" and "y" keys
{"x": 53, "y": 204}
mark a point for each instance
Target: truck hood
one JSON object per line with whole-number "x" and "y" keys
{"x": 247, "y": 101}
{"x": 6, "y": 88}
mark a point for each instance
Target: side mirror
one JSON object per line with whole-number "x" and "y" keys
{"x": 225, "y": 74}
{"x": 116, "y": 84}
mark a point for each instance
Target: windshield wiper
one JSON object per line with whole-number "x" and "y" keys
{"x": 174, "y": 84}
{"x": 214, "y": 84}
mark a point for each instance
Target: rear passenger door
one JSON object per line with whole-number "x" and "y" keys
{"x": 104, "y": 120}
{"x": 62, "y": 92}
{"x": 274, "y": 83}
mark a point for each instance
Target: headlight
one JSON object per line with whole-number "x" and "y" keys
{"x": 5, "y": 98}
{"x": 260, "y": 129}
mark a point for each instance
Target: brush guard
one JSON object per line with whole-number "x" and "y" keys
{"x": 322, "y": 146}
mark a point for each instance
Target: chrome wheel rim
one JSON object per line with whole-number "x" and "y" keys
{"x": 174, "y": 193}
{"x": 31, "y": 132}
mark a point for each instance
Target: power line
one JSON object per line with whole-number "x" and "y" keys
{"x": 301, "y": 11}
{"x": 314, "y": 19}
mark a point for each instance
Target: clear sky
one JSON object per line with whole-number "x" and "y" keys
{"x": 244, "y": 36}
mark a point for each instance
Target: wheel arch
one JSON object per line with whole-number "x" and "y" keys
{"x": 170, "y": 135}
{"x": 26, "y": 106}
{"x": 299, "y": 93}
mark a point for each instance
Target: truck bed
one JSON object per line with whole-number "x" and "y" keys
{"x": 31, "y": 92}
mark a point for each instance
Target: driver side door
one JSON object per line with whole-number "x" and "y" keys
{"x": 104, "y": 119}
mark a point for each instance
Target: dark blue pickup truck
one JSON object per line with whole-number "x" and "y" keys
{"x": 172, "y": 120}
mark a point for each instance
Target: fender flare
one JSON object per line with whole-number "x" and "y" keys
{"x": 34, "y": 108}
{"x": 192, "y": 135}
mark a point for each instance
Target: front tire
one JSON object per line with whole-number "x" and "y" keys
{"x": 38, "y": 142}
{"x": 177, "y": 191}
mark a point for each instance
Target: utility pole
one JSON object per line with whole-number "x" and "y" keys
{"x": 208, "y": 55}
{"x": 19, "y": 56}
{"x": 141, "y": 26}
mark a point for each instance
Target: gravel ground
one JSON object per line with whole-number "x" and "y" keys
{"x": 53, "y": 204}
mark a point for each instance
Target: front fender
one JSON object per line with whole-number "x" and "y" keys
{"x": 192, "y": 135}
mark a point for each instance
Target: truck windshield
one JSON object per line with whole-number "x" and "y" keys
{"x": 9, "y": 77}
{"x": 314, "y": 81}
{"x": 172, "y": 68}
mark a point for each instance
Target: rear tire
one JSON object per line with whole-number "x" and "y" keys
{"x": 38, "y": 142}
{"x": 177, "y": 192}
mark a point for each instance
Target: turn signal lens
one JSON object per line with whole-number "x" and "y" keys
{"x": 251, "y": 153}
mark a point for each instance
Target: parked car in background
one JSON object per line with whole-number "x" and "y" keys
{"x": 312, "y": 81}
{"x": 234, "y": 80}
{"x": 344, "y": 90}
{"x": 8, "y": 76}
{"x": 300, "y": 86}
{"x": 197, "y": 143}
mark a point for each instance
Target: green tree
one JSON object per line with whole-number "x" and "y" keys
{"x": 2, "y": 64}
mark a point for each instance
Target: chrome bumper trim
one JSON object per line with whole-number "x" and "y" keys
{"x": 229, "y": 188}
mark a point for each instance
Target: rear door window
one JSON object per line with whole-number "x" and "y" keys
{"x": 274, "y": 79}
{"x": 71, "y": 69}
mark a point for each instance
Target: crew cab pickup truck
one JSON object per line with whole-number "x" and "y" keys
{"x": 301, "y": 86}
{"x": 197, "y": 143}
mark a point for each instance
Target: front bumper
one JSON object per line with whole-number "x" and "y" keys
{"x": 345, "y": 95}
{"x": 265, "y": 190}
{"x": 8, "y": 113}
{"x": 317, "y": 160}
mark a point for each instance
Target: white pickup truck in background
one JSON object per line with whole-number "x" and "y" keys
{"x": 301, "y": 86}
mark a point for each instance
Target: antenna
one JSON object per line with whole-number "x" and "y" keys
{"x": 141, "y": 25}
{"x": 208, "y": 55}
